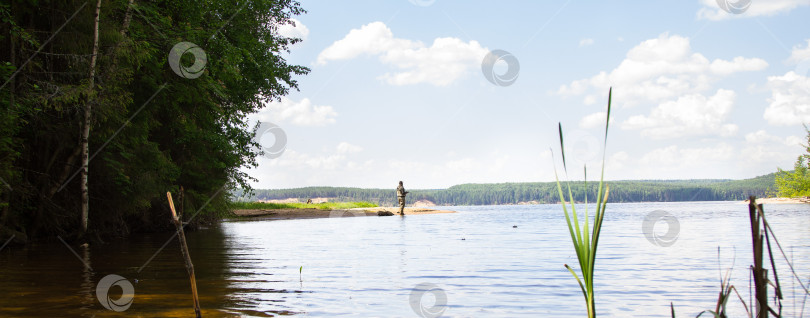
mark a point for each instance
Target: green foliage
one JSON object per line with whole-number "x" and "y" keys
{"x": 322, "y": 206}
{"x": 154, "y": 131}
{"x": 584, "y": 245}
{"x": 796, "y": 183}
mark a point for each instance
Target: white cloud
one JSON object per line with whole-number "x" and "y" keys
{"x": 711, "y": 9}
{"x": 674, "y": 156}
{"x": 660, "y": 69}
{"x": 738, "y": 64}
{"x": 445, "y": 61}
{"x": 585, "y": 42}
{"x": 795, "y": 141}
{"x": 345, "y": 164}
{"x": 327, "y": 161}
{"x": 302, "y": 113}
{"x": 763, "y": 137}
{"x": 799, "y": 54}
{"x": 594, "y": 120}
{"x": 689, "y": 115}
{"x": 789, "y": 103}
{"x": 294, "y": 30}
{"x": 345, "y": 147}
{"x": 617, "y": 160}
{"x": 465, "y": 164}
{"x": 371, "y": 39}
{"x": 762, "y": 147}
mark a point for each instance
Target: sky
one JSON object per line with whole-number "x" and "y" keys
{"x": 439, "y": 92}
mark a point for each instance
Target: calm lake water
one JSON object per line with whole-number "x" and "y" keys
{"x": 369, "y": 266}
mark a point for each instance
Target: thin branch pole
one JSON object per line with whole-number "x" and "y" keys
{"x": 184, "y": 248}
{"x": 760, "y": 273}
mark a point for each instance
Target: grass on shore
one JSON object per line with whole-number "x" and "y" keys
{"x": 321, "y": 206}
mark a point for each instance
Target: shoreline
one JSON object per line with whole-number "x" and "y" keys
{"x": 801, "y": 200}
{"x": 311, "y": 213}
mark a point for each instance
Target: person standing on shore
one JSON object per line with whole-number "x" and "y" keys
{"x": 401, "y": 196}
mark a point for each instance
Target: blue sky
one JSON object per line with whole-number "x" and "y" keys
{"x": 397, "y": 91}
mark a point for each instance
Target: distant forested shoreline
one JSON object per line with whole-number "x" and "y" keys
{"x": 540, "y": 192}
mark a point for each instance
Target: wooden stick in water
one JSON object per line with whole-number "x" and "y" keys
{"x": 184, "y": 248}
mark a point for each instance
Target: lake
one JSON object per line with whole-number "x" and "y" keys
{"x": 475, "y": 261}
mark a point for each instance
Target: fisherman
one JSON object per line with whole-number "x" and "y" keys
{"x": 401, "y": 196}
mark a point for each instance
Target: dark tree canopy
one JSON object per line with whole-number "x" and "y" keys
{"x": 151, "y": 130}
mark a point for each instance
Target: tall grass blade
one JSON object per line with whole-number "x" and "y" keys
{"x": 584, "y": 239}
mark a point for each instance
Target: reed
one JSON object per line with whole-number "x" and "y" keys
{"x": 724, "y": 296}
{"x": 585, "y": 240}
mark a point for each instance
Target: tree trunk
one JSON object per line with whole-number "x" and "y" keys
{"x": 127, "y": 19}
{"x": 3, "y": 183}
{"x": 86, "y": 128}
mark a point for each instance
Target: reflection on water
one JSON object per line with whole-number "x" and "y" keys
{"x": 368, "y": 266}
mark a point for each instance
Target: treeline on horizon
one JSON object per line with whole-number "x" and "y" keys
{"x": 541, "y": 192}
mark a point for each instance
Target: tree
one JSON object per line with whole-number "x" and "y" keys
{"x": 150, "y": 130}
{"x": 796, "y": 183}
